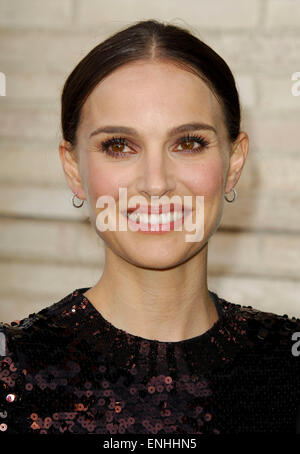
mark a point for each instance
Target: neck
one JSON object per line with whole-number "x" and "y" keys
{"x": 167, "y": 305}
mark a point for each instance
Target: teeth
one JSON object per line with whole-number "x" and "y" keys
{"x": 163, "y": 218}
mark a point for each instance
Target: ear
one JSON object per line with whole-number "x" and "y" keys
{"x": 71, "y": 168}
{"x": 238, "y": 155}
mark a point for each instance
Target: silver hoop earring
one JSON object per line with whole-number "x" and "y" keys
{"x": 77, "y": 206}
{"x": 234, "y": 196}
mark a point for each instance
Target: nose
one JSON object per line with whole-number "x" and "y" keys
{"x": 156, "y": 176}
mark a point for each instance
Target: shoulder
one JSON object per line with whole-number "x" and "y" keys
{"x": 39, "y": 335}
{"x": 33, "y": 328}
{"x": 44, "y": 329}
{"x": 265, "y": 330}
{"x": 36, "y": 327}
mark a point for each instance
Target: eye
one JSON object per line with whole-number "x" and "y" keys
{"x": 114, "y": 147}
{"x": 190, "y": 140}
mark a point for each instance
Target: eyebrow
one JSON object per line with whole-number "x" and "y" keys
{"x": 131, "y": 131}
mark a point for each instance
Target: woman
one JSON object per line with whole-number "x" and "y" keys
{"x": 152, "y": 113}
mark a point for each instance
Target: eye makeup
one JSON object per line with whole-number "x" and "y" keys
{"x": 105, "y": 146}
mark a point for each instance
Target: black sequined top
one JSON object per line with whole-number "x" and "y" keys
{"x": 67, "y": 369}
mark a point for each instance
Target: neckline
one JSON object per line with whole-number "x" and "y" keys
{"x": 132, "y": 338}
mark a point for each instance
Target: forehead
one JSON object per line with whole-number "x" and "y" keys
{"x": 150, "y": 92}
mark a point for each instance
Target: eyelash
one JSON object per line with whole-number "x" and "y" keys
{"x": 121, "y": 140}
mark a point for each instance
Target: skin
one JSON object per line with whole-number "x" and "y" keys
{"x": 159, "y": 282}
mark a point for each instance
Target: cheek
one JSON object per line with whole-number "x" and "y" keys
{"x": 102, "y": 181}
{"x": 205, "y": 179}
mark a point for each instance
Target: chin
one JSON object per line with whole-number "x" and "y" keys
{"x": 155, "y": 264}
{"x": 155, "y": 259}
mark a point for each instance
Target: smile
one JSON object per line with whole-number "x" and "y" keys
{"x": 156, "y": 223}
{"x": 163, "y": 218}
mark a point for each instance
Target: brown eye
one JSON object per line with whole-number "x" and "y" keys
{"x": 187, "y": 144}
{"x": 115, "y": 147}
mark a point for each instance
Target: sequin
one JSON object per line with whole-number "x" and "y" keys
{"x": 10, "y": 397}
{"x": 70, "y": 371}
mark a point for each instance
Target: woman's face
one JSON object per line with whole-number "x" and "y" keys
{"x": 152, "y": 98}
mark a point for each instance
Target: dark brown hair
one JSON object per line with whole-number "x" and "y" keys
{"x": 149, "y": 40}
